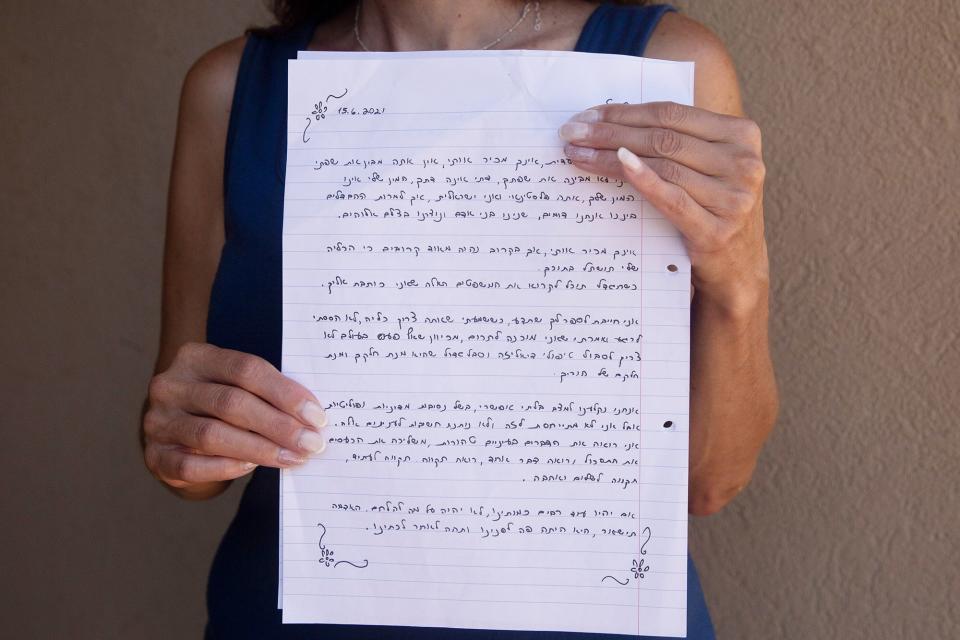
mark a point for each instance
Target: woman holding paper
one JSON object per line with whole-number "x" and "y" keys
{"x": 218, "y": 408}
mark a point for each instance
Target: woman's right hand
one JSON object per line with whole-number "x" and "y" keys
{"x": 215, "y": 414}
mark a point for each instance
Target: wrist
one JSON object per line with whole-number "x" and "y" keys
{"x": 200, "y": 491}
{"x": 740, "y": 302}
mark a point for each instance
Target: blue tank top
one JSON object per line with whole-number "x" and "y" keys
{"x": 246, "y": 315}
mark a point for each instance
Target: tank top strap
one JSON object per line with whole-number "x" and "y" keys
{"x": 260, "y": 101}
{"x": 623, "y": 29}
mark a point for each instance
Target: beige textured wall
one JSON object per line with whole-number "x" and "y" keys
{"x": 850, "y": 527}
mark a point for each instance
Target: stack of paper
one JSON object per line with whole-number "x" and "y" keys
{"x": 503, "y": 344}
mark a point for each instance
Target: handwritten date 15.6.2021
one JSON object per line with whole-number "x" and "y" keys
{"x": 322, "y": 107}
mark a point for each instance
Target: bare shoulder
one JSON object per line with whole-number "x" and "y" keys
{"x": 679, "y": 37}
{"x": 209, "y": 84}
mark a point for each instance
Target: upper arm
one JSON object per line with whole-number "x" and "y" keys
{"x": 678, "y": 37}
{"x": 716, "y": 88}
{"x": 194, "y": 233}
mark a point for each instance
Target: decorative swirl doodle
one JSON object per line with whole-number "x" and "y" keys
{"x": 320, "y": 108}
{"x": 638, "y": 567}
{"x": 327, "y": 557}
{"x": 305, "y": 129}
{"x": 320, "y": 112}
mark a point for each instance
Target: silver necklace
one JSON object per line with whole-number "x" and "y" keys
{"x": 529, "y": 6}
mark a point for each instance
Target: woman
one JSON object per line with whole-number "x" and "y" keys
{"x": 218, "y": 408}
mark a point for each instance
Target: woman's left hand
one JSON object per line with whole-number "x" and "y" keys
{"x": 702, "y": 170}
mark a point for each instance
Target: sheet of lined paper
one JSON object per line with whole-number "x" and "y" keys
{"x": 502, "y": 342}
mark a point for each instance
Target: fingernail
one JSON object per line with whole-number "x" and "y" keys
{"x": 249, "y": 465}
{"x": 590, "y": 115}
{"x": 311, "y": 441}
{"x": 571, "y": 131}
{"x": 314, "y": 414}
{"x": 582, "y": 154}
{"x": 289, "y": 457}
{"x": 630, "y": 160}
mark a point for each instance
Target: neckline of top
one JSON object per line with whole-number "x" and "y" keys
{"x": 303, "y": 42}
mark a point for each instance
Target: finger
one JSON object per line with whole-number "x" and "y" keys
{"x": 710, "y": 193}
{"x": 705, "y": 157}
{"x": 210, "y": 436}
{"x": 676, "y": 205}
{"x": 242, "y": 409}
{"x": 257, "y": 376}
{"x": 692, "y": 121}
{"x": 179, "y": 468}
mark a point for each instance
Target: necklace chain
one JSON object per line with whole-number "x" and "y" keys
{"x": 529, "y": 6}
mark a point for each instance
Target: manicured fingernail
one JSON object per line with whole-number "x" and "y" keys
{"x": 311, "y": 441}
{"x": 289, "y": 457}
{"x": 630, "y": 160}
{"x": 590, "y": 115}
{"x": 580, "y": 154}
{"x": 314, "y": 414}
{"x": 571, "y": 131}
